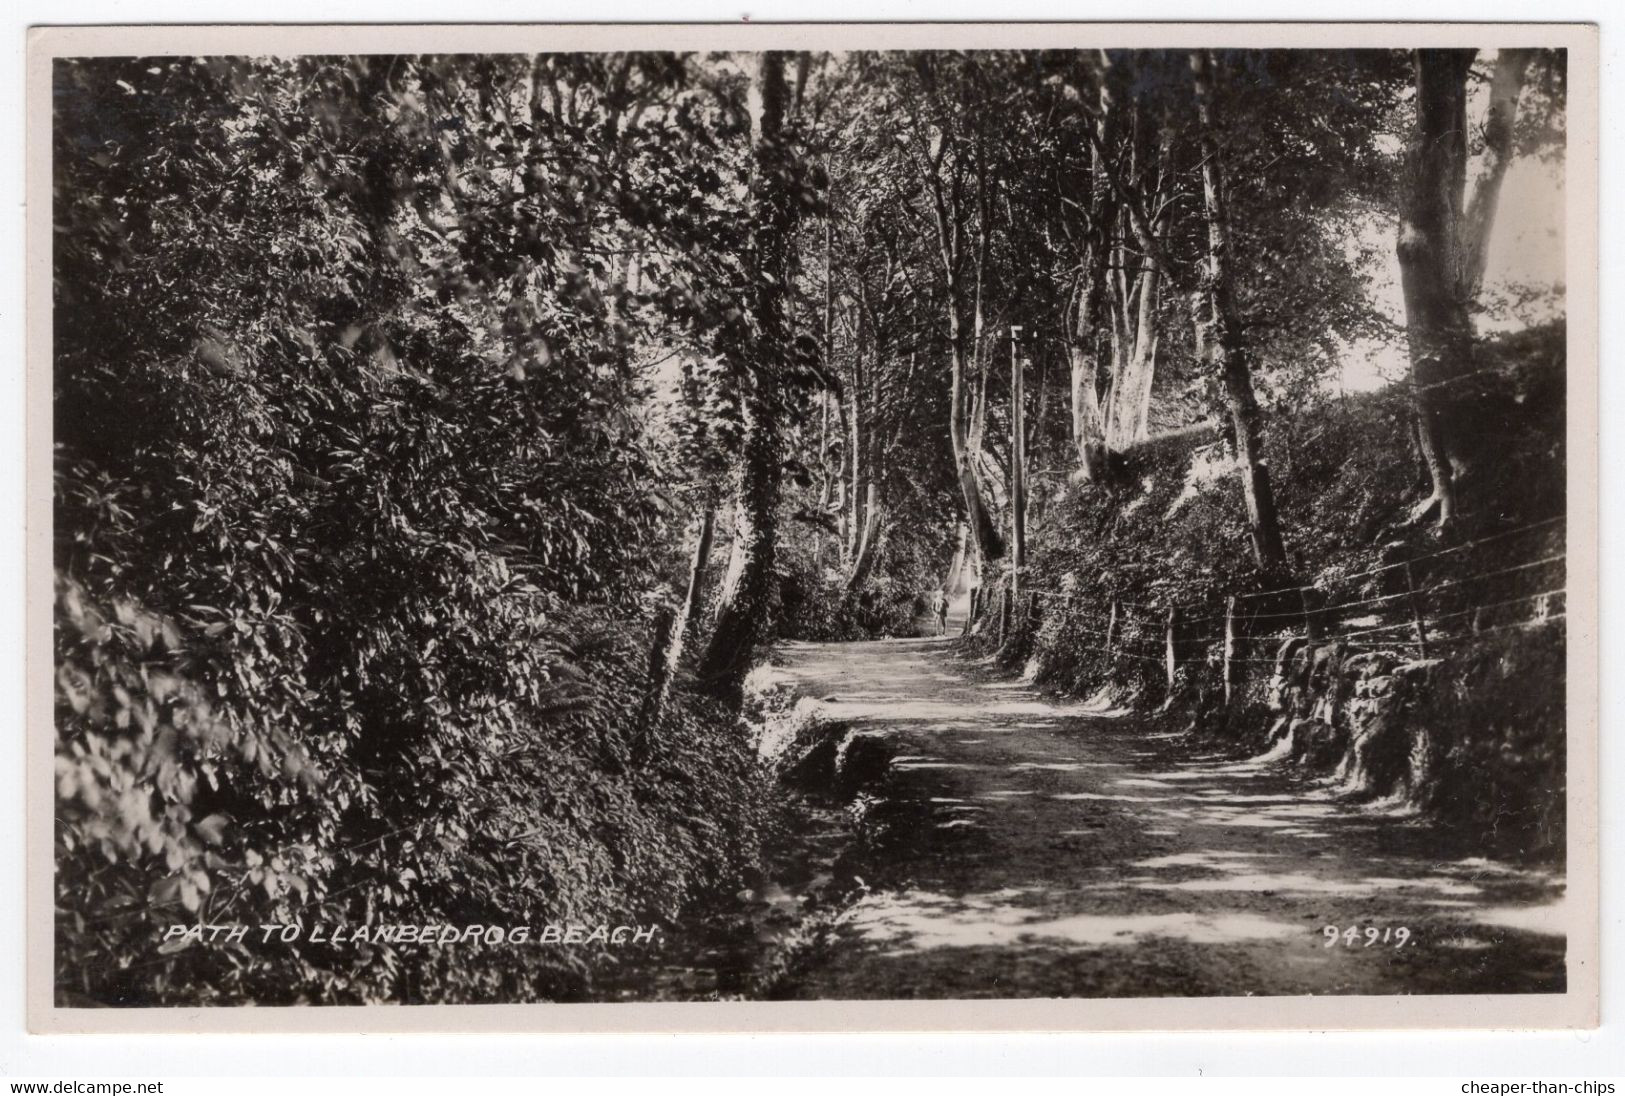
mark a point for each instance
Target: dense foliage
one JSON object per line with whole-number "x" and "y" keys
{"x": 398, "y": 399}
{"x": 357, "y": 519}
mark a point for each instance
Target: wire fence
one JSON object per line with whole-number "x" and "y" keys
{"x": 1421, "y": 604}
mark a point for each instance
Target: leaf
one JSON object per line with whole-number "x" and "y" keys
{"x": 164, "y": 891}
{"x": 212, "y": 829}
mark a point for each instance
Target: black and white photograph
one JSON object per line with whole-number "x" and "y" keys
{"x": 1083, "y": 520}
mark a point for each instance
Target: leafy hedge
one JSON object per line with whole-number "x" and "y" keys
{"x": 352, "y": 567}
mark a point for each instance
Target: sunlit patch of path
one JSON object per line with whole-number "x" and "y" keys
{"x": 1051, "y": 848}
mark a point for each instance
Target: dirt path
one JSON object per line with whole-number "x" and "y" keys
{"x": 1037, "y": 848}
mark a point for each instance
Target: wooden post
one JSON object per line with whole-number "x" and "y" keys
{"x": 1172, "y": 645}
{"x": 1416, "y": 611}
{"x": 1111, "y": 629}
{"x": 1032, "y": 608}
{"x": 1018, "y": 468}
{"x": 1230, "y": 646}
{"x": 1004, "y": 616}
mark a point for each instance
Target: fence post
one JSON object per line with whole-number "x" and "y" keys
{"x": 1172, "y": 645}
{"x": 1111, "y": 629}
{"x": 1308, "y": 602}
{"x": 1416, "y": 611}
{"x": 1229, "y": 646}
{"x": 1004, "y": 616}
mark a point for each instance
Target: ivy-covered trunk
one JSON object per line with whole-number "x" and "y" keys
{"x": 743, "y": 611}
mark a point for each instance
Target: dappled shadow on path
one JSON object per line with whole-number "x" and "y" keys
{"x": 1022, "y": 845}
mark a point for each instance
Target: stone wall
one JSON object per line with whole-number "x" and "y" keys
{"x": 1450, "y": 736}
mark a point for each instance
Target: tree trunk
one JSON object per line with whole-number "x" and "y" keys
{"x": 1443, "y": 243}
{"x": 839, "y": 476}
{"x": 1222, "y": 340}
{"x": 1088, "y": 428}
{"x": 1018, "y": 468}
{"x": 1034, "y": 515}
{"x": 1506, "y": 87}
{"x": 743, "y": 613}
{"x": 1130, "y": 409}
{"x": 661, "y": 664}
{"x": 696, "y": 573}
{"x": 1129, "y": 413}
{"x": 984, "y": 529}
{"x": 673, "y": 626}
{"x": 859, "y": 495}
{"x": 826, "y": 485}
{"x": 863, "y": 560}
{"x": 1084, "y": 337}
{"x": 1438, "y": 327}
{"x": 947, "y": 212}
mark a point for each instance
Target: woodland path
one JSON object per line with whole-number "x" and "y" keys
{"x": 1036, "y": 847}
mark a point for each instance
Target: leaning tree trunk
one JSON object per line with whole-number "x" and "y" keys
{"x": 672, "y": 626}
{"x": 1443, "y": 243}
{"x": 696, "y": 572}
{"x": 1222, "y": 340}
{"x": 743, "y": 612}
{"x": 863, "y": 559}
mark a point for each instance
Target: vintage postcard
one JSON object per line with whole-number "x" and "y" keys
{"x": 812, "y": 527}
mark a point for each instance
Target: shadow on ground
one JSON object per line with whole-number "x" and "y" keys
{"x": 1020, "y": 845}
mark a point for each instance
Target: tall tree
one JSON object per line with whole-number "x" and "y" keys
{"x": 1120, "y": 269}
{"x": 744, "y": 606}
{"x": 1222, "y": 341}
{"x": 950, "y": 162}
{"x": 1444, "y": 239}
{"x": 1083, "y": 325}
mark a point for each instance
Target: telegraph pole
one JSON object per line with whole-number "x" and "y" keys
{"x": 1018, "y": 468}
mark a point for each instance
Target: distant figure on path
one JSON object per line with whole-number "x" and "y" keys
{"x": 942, "y": 612}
